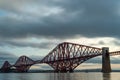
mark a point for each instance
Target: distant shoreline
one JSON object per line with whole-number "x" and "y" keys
{"x": 52, "y": 71}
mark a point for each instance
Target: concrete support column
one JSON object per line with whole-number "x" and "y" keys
{"x": 106, "y": 67}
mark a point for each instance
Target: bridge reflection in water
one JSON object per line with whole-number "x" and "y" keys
{"x": 80, "y": 76}
{"x": 60, "y": 76}
{"x": 64, "y": 57}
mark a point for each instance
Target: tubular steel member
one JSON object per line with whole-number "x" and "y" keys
{"x": 106, "y": 67}
{"x": 23, "y": 64}
{"x": 6, "y": 67}
{"x": 67, "y": 56}
{"x": 114, "y": 53}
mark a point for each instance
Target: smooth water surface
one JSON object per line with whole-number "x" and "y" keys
{"x": 60, "y": 76}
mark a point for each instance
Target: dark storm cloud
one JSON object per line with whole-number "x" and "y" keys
{"x": 90, "y": 18}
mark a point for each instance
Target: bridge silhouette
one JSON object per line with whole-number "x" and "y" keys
{"x": 65, "y": 57}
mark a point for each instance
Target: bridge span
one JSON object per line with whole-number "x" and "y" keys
{"x": 65, "y": 57}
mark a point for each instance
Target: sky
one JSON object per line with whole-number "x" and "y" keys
{"x": 35, "y": 27}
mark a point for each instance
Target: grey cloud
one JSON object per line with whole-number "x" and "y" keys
{"x": 101, "y": 43}
{"x": 5, "y": 56}
{"x": 36, "y": 57}
{"x": 116, "y": 42}
{"x": 42, "y": 45}
{"x": 98, "y": 60}
{"x": 90, "y": 18}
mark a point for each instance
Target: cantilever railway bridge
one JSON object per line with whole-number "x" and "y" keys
{"x": 64, "y": 57}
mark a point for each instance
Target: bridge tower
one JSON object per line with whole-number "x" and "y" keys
{"x": 6, "y": 67}
{"x": 106, "y": 67}
{"x": 23, "y": 64}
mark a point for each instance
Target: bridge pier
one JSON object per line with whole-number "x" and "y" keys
{"x": 106, "y": 67}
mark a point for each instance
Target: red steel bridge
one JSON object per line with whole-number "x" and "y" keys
{"x": 64, "y": 57}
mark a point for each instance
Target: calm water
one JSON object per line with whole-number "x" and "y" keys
{"x": 59, "y": 76}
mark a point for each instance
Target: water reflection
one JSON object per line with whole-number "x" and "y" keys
{"x": 5, "y": 76}
{"x": 80, "y": 76}
{"x": 106, "y": 76}
{"x": 60, "y": 76}
{"x": 23, "y": 76}
{"x": 76, "y": 76}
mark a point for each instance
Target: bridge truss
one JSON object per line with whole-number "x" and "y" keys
{"x": 64, "y": 57}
